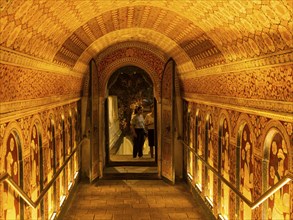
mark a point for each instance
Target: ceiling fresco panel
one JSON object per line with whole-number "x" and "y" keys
{"x": 83, "y": 37}
{"x": 159, "y": 20}
{"x": 225, "y": 50}
{"x": 208, "y": 33}
{"x": 95, "y": 28}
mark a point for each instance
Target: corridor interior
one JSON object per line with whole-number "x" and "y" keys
{"x": 136, "y": 196}
{"x": 219, "y": 73}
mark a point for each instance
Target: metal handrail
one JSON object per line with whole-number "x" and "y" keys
{"x": 7, "y": 178}
{"x": 287, "y": 178}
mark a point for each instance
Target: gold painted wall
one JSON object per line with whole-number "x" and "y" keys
{"x": 254, "y": 137}
{"x": 34, "y": 145}
{"x": 234, "y": 59}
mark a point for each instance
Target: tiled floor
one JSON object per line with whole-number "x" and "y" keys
{"x": 133, "y": 199}
{"x": 130, "y": 169}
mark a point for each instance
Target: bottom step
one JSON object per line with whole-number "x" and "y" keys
{"x": 131, "y": 176}
{"x": 131, "y": 173}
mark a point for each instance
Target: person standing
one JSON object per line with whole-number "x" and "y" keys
{"x": 150, "y": 123}
{"x": 138, "y": 132}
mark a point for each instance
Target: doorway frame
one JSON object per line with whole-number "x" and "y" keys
{"x": 104, "y": 106}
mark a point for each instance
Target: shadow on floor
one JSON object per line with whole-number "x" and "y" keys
{"x": 131, "y": 172}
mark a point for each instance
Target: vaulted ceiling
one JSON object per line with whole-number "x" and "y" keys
{"x": 66, "y": 34}
{"x": 197, "y": 34}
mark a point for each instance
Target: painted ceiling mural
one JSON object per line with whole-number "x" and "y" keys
{"x": 209, "y": 32}
{"x": 222, "y": 38}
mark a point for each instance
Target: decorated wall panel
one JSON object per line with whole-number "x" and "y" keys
{"x": 199, "y": 148}
{"x": 23, "y": 83}
{"x": 36, "y": 167}
{"x": 225, "y": 166}
{"x": 29, "y": 144}
{"x": 128, "y": 54}
{"x": 49, "y": 165}
{"x": 156, "y": 62}
{"x": 10, "y": 206}
{"x": 257, "y": 191}
{"x": 272, "y": 83}
{"x": 167, "y": 122}
{"x": 278, "y": 167}
{"x": 246, "y": 171}
{"x": 189, "y": 139}
{"x": 186, "y": 128}
{"x": 252, "y": 133}
{"x": 209, "y": 188}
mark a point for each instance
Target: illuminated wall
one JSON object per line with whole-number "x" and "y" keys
{"x": 11, "y": 155}
{"x": 244, "y": 142}
{"x": 210, "y": 157}
{"x": 34, "y": 146}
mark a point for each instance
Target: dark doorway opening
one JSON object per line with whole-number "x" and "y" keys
{"x": 128, "y": 87}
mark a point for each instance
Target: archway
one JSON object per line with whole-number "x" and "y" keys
{"x": 128, "y": 87}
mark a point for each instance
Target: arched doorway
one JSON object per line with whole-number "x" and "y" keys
{"x": 128, "y": 87}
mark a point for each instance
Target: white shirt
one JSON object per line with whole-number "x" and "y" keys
{"x": 137, "y": 121}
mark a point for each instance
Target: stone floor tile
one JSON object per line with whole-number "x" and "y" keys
{"x": 133, "y": 199}
{"x": 102, "y": 217}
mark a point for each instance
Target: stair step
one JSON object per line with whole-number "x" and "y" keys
{"x": 130, "y": 176}
{"x": 131, "y": 173}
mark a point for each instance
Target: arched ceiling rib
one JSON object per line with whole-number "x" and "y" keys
{"x": 131, "y": 51}
{"x": 210, "y": 32}
{"x": 157, "y": 42}
{"x": 106, "y": 73}
{"x": 157, "y": 22}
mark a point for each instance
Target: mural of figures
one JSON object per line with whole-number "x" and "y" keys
{"x": 278, "y": 204}
{"x": 191, "y": 141}
{"x": 210, "y": 152}
{"x": 59, "y": 146}
{"x": 59, "y": 159}
{"x": 50, "y": 155}
{"x": 68, "y": 129}
{"x": 49, "y": 168}
{"x": 199, "y": 149}
{"x": 30, "y": 148}
{"x": 35, "y": 168}
{"x": 75, "y": 132}
{"x": 246, "y": 172}
{"x": 64, "y": 182}
{"x": 69, "y": 149}
{"x": 10, "y": 198}
{"x": 186, "y": 121}
{"x": 192, "y": 128}
{"x": 225, "y": 168}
